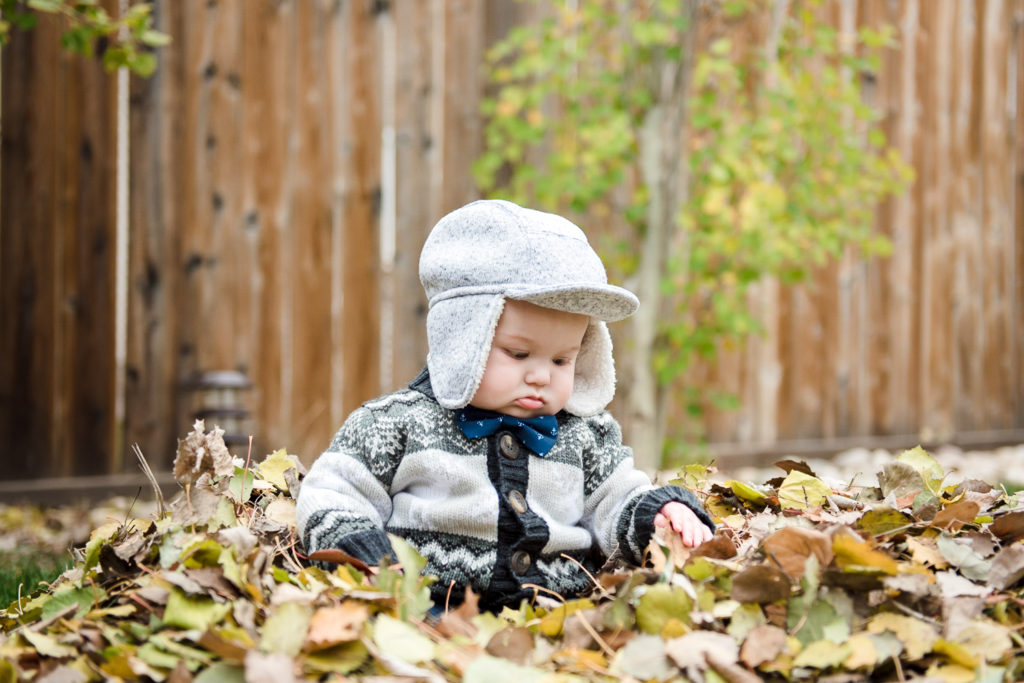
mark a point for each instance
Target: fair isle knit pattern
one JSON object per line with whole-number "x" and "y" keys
{"x": 401, "y": 465}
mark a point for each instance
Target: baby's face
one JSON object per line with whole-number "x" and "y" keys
{"x": 532, "y": 362}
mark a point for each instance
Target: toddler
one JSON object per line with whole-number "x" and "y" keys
{"x": 499, "y": 463}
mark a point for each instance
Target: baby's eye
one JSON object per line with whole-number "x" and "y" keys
{"x": 518, "y": 355}
{"x": 562, "y": 361}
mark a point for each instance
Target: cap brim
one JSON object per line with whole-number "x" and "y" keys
{"x": 603, "y": 302}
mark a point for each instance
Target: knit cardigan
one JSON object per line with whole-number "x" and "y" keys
{"x": 484, "y": 512}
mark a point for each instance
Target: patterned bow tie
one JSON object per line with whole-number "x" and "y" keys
{"x": 537, "y": 433}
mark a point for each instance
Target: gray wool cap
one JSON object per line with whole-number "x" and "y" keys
{"x": 490, "y": 250}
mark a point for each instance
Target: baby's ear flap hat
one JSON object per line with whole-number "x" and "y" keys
{"x": 490, "y": 250}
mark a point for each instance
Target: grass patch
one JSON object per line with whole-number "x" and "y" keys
{"x": 27, "y": 569}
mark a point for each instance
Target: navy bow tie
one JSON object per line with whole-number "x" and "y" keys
{"x": 537, "y": 433}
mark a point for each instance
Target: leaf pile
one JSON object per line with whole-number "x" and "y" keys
{"x": 803, "y": 580}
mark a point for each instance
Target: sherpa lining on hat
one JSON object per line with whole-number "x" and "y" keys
{"x": 490, "y": 250}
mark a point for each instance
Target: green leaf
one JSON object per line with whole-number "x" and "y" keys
{"x": 155, "y": 38}
{"x": 488, "y": 669}
{"x": 83, "y": 598}
{"x": 285, "y": 629}
{"x": 882, "y": 520}
{"x": 660, "y": 605}
{"x": 963, "y": 557}
{"x": 342, "y": 659}
{"x": 221, "y": 672}
{"x": 747, "y": 493}
{"x": 193, "y": 612}
{"x": 46, "y": 5}
{"x": 413, "y": 589}
{"x": 47, "y": 645}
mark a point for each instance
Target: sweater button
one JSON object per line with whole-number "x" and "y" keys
{"x": 518, "y": 501}
{"x": 520, "y": 562}
{"x": 508, "y": 446}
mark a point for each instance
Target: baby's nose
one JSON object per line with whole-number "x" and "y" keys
{"x": 538, "y": 375}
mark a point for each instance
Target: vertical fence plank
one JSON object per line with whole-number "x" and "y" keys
{"x": 938, "y": 253}
{"x": 268, "y": 82}
{"x": 958, "y": 201}
{"x": 312, "y": 168}
{"x": 360, "y": 208}
{"x": 59, "y": 249}
{"x": 463, "y": 85}
{"x": 1016, "y": 59}
{"x": 151, "y": 415}
{"x": 87, "y": 226}
{"x": 31, "y": 135}
{"x": 416, "y": 151}
{"x": 996, "y": 362}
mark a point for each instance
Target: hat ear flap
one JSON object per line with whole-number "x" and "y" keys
{"x": 459, "y": 334}
{"x": 594, "y": 385}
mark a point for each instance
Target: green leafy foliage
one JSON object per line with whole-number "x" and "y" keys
{"x": 855, "y": 583}
{"x": 783, "y": 158}
{"x": 123, "y": 41}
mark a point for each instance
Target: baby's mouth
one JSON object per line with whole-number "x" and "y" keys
{"x": 529, "y": 402}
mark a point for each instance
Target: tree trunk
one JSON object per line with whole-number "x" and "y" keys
{"x": 663, "y": 145}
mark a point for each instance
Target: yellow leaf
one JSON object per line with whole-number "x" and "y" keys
{"x": 987, "y": 639}
{"x": 927, "y": 466}
{"x": 917, "y": 636}
{"x": 862, "y": 652}
{"x": 275, "y": 465}
{"x": 801, "y": 491}
{"x": 926, "y": 552}
{"x": 957, "y": 653}
{"x": 951, "y": 674}
{"x": 854, "y": 554}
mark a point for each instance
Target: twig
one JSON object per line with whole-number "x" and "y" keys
{"x": 595, "y": 635}
{"x": 601, "y": 588}
{"x": 448, "y": 595}
{"x": 917, "y": 615}
{"x": 152, "y": 479}
{"x": 899, "y": 669}
{"x": 241, "y": 492}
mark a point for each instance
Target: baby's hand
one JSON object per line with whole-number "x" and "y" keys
{"x": 684, "y": 522}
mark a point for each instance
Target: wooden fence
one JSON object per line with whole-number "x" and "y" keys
{"x": 287, "y": 159}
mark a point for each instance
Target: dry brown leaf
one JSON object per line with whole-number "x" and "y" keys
{"x": 200, "y": 453}
{"x": 514, "y": 644}
{"x": 761, "y": 583}
{"x": 1007, "y": 567}
{"x": 763, "y": 644}
{"x": 330, "y": 626}
{"x": 956, "y": 515}
{"x": 1009, "y": 527}
{"x": 790, "y": 547}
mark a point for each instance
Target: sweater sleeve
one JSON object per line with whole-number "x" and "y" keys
{"x": 620, "y": 502}
{"x": 344, "y": 502}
